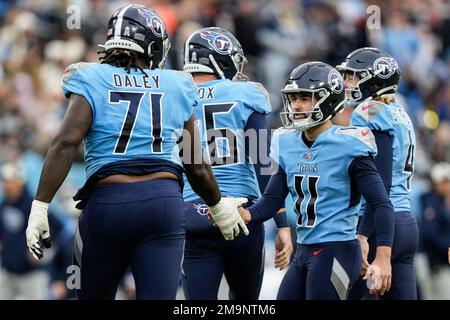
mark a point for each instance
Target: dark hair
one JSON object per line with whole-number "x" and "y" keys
{"x": 122, "y": 58}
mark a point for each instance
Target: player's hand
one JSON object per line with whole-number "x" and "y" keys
{"x": 226, "y": 216}
{"x": 364, "y": 253}
{"x": 38, "y": 231}
{"x": 380, "y": 272}
{"x": 283, "y": 248}
{"x": 245, "y": 214}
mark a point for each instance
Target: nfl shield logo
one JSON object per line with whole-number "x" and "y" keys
{"x": 308, "y": 156}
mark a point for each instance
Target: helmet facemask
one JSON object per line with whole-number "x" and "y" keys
{"x": 311, "y": 118}
{"x": 239, "y": 61}
{"x": 152, "y": 53}
{"x": 353, "y": 92}
{"x": 360, "y": 92}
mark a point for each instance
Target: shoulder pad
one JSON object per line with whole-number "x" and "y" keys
{"x": 256, "y": 96}
{"x": 369, "y": 109}
{"x": 70, "y": 70}
{"x": 258, "y": 86}
{"x": 363, "y": 134}
{"x": 282, "y": 131}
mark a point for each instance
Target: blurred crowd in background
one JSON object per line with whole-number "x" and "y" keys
{"x": 39, "y": 39}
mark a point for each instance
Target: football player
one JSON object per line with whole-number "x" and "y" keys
{"x": 326, "y": 168}
{"x": 231, "y": 113}
{"x": 129, "y": 112}
{"x": 371, "y": 81}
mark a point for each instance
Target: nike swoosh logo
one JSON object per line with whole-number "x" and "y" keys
{"x": 365, "y": 133}
{"x": 316, "y": 252}
{"x": 364, "y": 108}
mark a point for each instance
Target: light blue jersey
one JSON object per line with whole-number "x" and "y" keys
{"x": 135, "y": 116}
{"x": 393, "y": 119}
{"x": 222, "y": 113}
{"x": 318, "y": 179}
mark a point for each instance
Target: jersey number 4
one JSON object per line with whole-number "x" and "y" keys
{"x": 134, "y": 99}
{"x": 409, "y": 162}
{"x": 311, "y": 194}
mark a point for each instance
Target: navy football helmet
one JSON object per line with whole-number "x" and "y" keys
{"x": 217, "y": 51}
{"x": 378, "y": 74}
{"x": 325, "y": 86}
{"x": 139, "y": 28}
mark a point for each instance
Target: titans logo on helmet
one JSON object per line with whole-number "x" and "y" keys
{"x": 335, "y": 81}
{"x": 157, "y": 26}
{"x": 384, "y": 67}
{"x": 219, "y": 42}
{"x": 153, "y": 21}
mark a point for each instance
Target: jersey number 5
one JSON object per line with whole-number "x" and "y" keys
{"x": 312, "y": 195}
{"x": 213, "y": 134}
{"x": 133, "y": 100}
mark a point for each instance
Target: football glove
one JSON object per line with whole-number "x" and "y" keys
{"x": 226, "y": 216}
{"x": 373, "y": 275}
{"x": 38, "y": 231}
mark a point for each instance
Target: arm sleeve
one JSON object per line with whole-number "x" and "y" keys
{"x": 260, "y": 160}
{"x": 190, "y": 92}
{"x": 383, "y": 162}
{"x": 281, "y": 220}
{"x": 365, "y": 175}
{"x": 272, "y": 199}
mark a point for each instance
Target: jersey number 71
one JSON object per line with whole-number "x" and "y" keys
{"x": 133, "y": 100}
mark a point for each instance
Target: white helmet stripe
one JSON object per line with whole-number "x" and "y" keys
{"x": 118, "y": 26}
{"x": 216, "y": 66}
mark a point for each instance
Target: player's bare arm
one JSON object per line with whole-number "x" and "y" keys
{"x": 62, "y": 151}
{"x": 198, "y": 172}
{"x": 203, "y": 182}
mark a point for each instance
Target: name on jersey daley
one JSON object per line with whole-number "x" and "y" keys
{"x": 136, "y": 81}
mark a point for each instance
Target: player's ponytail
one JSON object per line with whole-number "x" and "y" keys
{"x": 386, "y": 98}
{"x": 122, "y": 58}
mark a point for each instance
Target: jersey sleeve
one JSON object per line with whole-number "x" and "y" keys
{"x": 361, "y": 141}
{"x": 274, "y": 153}
{"x": 189, "y": 90}
{"x": 374, "y": 115}
{"x": 277, "y": 139}
{"x": 77, "y": 78}
{"x": 257, "y": 97}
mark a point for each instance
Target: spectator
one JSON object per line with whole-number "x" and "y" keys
{"x": 436, "y": 229}
{"x": 21, "y": 275}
